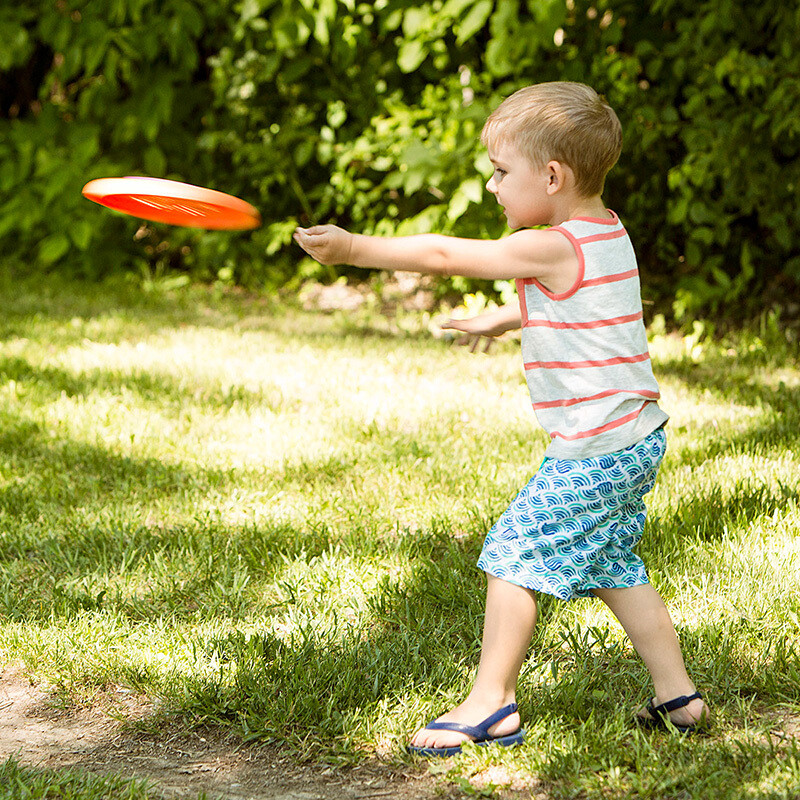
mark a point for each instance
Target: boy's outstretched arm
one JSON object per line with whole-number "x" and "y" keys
{"x": 524, "y": 254}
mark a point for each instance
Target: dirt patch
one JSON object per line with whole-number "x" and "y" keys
{"x": 36, "y": 732}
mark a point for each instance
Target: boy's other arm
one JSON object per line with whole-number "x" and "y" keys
{"x": 524, "y": 254}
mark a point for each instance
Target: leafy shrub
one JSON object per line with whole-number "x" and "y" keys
{"x": 94, "y": 88}
{"x": 708, "y": 95}
{"x": 368, "y": 114}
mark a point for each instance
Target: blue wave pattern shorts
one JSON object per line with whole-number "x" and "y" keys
{"x": 574, "y": 526}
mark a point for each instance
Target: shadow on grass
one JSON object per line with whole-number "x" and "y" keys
{"x": 21, "y": 782}
{"x": 24, "y": 305}
{"x": 163, "y": 390}
{"x": 26, "y": 301}
{"x": 710, "y": 515}
{"x": 75, "y": 534}
{"x": 57, "y": 475}
{"x": 778, "y": 428}
{"x": 420, "y": 633}
{"x": 319, "y": 687}
{"x": 327, "y": 694}
{"x": 323, "y": 691}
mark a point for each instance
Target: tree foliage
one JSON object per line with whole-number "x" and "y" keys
{"x": 368, "y": 114}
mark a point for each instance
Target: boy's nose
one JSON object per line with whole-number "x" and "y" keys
{"x": 491, "y": 186}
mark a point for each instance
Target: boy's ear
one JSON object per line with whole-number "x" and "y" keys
{"x": 558, "y": 175}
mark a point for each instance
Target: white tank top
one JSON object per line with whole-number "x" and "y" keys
{"x": 585, "y": 351}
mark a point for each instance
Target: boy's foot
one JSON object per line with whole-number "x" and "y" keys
{"x": 687, "y": 713}
{"x": 446, "y": 734}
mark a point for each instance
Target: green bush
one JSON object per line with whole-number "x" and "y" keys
{"x": 368, "y": 114}
{"x": 94, "y": 88}
{"x": 708, "y": 93}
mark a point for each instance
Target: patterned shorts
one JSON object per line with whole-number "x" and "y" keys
{"x": 574, "y": 526}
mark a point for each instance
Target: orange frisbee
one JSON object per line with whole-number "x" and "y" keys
{"x": 173, "y": 202}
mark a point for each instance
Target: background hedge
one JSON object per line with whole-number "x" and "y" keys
{"x": 368, "y": 114}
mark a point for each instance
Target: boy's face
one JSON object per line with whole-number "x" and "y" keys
{"x": 519, "y": 187}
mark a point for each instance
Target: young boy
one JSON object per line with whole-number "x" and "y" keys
{"x": 572, "y": 530}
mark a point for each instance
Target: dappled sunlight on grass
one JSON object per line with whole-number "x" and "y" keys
{"x": 231, "y": 400}
{"x": 270, "y": 521}
{"x": 702, "y": 414}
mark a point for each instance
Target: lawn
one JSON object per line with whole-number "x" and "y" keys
{"x": 267, "y": 519}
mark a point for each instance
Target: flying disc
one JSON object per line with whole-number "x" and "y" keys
{"x": 173, "y": 202}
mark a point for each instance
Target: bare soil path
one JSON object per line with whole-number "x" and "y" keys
{"x": 35, "y": 732}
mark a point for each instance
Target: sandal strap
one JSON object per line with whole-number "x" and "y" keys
{"x": 477, "y": 732}
{"x": 502, "y": 713}
{"x": 673, "y": 705}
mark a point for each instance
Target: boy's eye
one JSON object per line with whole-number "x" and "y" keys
{"x": 499, "y": 172}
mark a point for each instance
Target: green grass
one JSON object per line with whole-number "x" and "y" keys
{"x": 268, "y": 520}
{"x": 18, "y": 783}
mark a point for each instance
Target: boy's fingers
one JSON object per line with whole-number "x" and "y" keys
{"x": 453, "y": 324}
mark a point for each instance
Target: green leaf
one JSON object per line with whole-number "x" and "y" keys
{"x": 702, "y": 235}
{"x": 458, "y": 205}
{"x": 472, "y": 190}
{"x": 700, "y": 213}
{"x": 498, "y": 58}
{"x": 56, "y": 185}
{"x": 81, "y": 234}
{"x": 96, "y": 52}
{"x": 337, "y": 114}
{"x": 250, "y": 10}
{"x": 411, "y": 55}
{"x": 416, "y": 20}
{"x": 678, "y": 210}
{"x": 16, "y": 45}
{"x": 792, "y": 268}
{"x": 475, "y": 20}
{"x": 297, "y": 68}
{"x": 304, "y": 151}
{"x": 324, "y": 18}
{"x": 454, "y": 8}
{"x": 53, "y": 248}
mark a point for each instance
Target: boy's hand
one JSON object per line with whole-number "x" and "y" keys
{"x": 489, "y": 325}
{"x": 477, "y": 336}
{"x": 477, "y": 326}
{"x": 325, "y": 243}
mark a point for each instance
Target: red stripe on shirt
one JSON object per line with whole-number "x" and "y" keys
{"x": 619, "y": 276}
{"x": 581, "y": 270}
{"x": 581, "y": 364}
{"x": 613, "y": 220}
{"x": 523, "y": 300}
{"x": 597, "y": 323}
{"x": 599, "y": 237}
{"x": 603, "y": 428}
{"x": 573, "y": 401}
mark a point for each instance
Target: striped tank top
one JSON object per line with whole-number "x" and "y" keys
{"x": 585, "y": 351}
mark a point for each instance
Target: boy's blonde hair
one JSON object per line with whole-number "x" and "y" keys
{"x": 560, "y": 121}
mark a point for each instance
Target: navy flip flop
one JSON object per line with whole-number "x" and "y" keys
{"x": 659, "y": 715}
{"x": 479, "y": 734}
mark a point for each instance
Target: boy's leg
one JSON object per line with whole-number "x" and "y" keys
{"x": 507, "y": 630}
{"x": 645, "y": 618}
